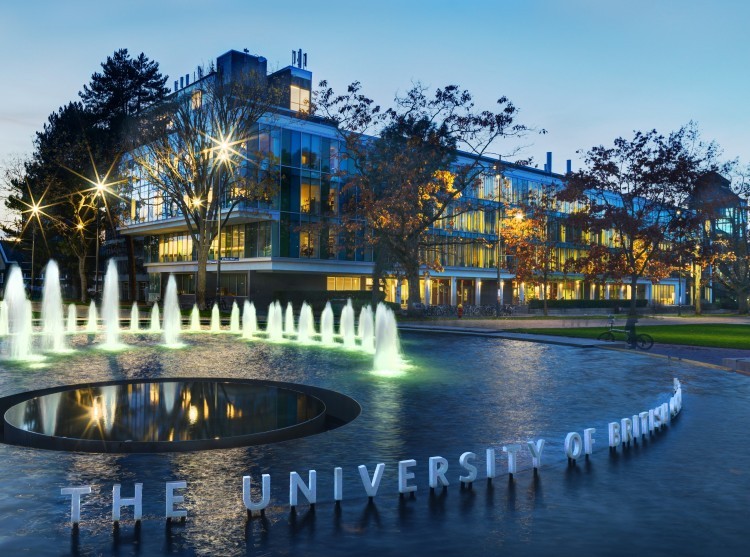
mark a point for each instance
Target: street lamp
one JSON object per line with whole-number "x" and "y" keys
{"x": 679, "y": 264}
{"x": 34, "y": 217}
{"x": 223, "y": 158}
{"x": 100, "y": 189}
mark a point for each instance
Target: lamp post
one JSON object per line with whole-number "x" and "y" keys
{"x": 223, "y": 158}
{"x": 500, "y": 257}
{"x": 34, "y": 216}
{"x": 100, "y": 188}
{"x": 679, "y": 264}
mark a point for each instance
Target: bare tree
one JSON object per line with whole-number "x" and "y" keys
{"x": 194, "y": 150}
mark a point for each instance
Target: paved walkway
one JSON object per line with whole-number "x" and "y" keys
{"x": 499, "y": 329}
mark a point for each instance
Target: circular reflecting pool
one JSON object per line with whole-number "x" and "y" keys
{"x": 170, "y": 415}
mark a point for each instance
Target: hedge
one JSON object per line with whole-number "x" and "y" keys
{"x": 585, "y": 304}
{"x": 317, "y": 299}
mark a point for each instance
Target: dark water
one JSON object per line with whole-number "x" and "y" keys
{"x": 684, "y": 491}
{"x": 163, "y": 411}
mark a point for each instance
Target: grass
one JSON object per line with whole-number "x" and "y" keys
{"x": 713, "y": 335}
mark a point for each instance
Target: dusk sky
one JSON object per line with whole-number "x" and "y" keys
{"x": 587, "y": 71}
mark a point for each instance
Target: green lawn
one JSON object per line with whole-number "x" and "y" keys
{"x": 710, "y": 334}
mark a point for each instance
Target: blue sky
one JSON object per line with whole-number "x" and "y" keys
{"x": 587, "y": 71}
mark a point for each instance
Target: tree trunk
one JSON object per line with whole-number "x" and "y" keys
{"x": 131, "y": 268}
{"x": 697, "y": 272}
{"x": 412, "y": 276}
{"x": 377, "y": 275}
{"x": 200, "y": 281}
{"x": 633, "y": 296}
{"x": 742, "y": 303}
{"x": 82, "y": 276}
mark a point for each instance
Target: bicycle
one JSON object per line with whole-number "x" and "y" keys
{"x": 642, "y": 340}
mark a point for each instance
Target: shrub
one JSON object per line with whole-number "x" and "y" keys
{"x": 585, "y": 304}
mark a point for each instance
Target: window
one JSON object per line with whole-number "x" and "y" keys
{"x": 300, "y": 99}
{"x": 308, "y": 245}
{"x": 309, "y": 199}
{"x": 343, "y": 283}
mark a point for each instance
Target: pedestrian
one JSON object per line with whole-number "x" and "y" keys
{"x": 460, "y": 311}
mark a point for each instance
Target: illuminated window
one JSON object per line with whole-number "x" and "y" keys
{"x": 309, "y": 198}
{"x": 343, "y": 283}
{"x": 300, "y": 99}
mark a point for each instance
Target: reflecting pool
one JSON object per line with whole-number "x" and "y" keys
{"x": 683, "y": 490}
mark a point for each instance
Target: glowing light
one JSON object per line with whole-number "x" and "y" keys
{"x": 193, "y": 414}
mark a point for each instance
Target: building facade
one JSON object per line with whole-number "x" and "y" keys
{"x": 291, "y": 243}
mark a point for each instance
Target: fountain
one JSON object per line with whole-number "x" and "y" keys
{"x": 346, "y": 325}
{"x": 135, "y": 318}
{"x": 274, "y": 325}
{"x": 249, "y": 320}
{"x": 195, "y": 319}
{"x": 306, "y": 325}
{"x": 92, "y": 324}
{"x": 172, "y": 315}
{"x": 366, "y": 329}
{"x": 215, "y": 319}
{"x": 387, "y": 345}
{"x": 3, "y": 318}
{"x": 155, "y": 325}
{"x": 326, "y": 325}
{"x": 111, "y": 306}
{"x": 53, "y": 325}
{"x": 19, "y": 317}
{"x": 234, "y": 319}
{"x": 72, "y": 325}
{"x": 289, "y": 319}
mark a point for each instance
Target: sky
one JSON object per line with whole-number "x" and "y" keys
{"x": 586, "y": 71}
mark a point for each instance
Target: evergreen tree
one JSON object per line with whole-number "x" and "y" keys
{"x": 124, "y": 87}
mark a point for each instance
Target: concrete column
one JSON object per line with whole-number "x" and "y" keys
{"x": 397, "y": 297}
{"x": 427, "y": 282}
{"x": 477, "y": 291}
{"x": 606, "y": 292}
{"x": 522, "y": 292}
{"x": 649, "y": 293}
{"x": 560, "y": 287}
{"x": 454, "y": 296}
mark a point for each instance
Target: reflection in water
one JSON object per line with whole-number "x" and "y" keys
{"x": 164, "y": 411}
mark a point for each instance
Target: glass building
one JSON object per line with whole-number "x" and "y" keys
{"x": 292, "y": 241}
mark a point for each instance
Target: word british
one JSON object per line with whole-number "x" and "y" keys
{"x": 575, "y": 446}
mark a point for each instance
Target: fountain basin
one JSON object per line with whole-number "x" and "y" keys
{"x": 171, "y": 415}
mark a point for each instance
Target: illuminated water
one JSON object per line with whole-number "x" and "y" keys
{"x": 346, "y": 325}
{"x": 326, "y": 325}
{"x": 234, "y": 319}
{"x": 172, "y": 315}
{"x": 457, "y": 394}
{"x": 53, "y": 319}
{"x": 135, "y": 318}
{"x": 18, "y": 311}
{"x": 249, "y": 320}
{"x": 111, "y": 306}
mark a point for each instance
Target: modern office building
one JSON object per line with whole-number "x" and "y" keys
{"x": 268, "y": 247}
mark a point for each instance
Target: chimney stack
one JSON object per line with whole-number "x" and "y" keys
{"x": 568, "y": 167}
{"x": 548, "y": 167}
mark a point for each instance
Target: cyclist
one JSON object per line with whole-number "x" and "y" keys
{"x": 630, "y": 329}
